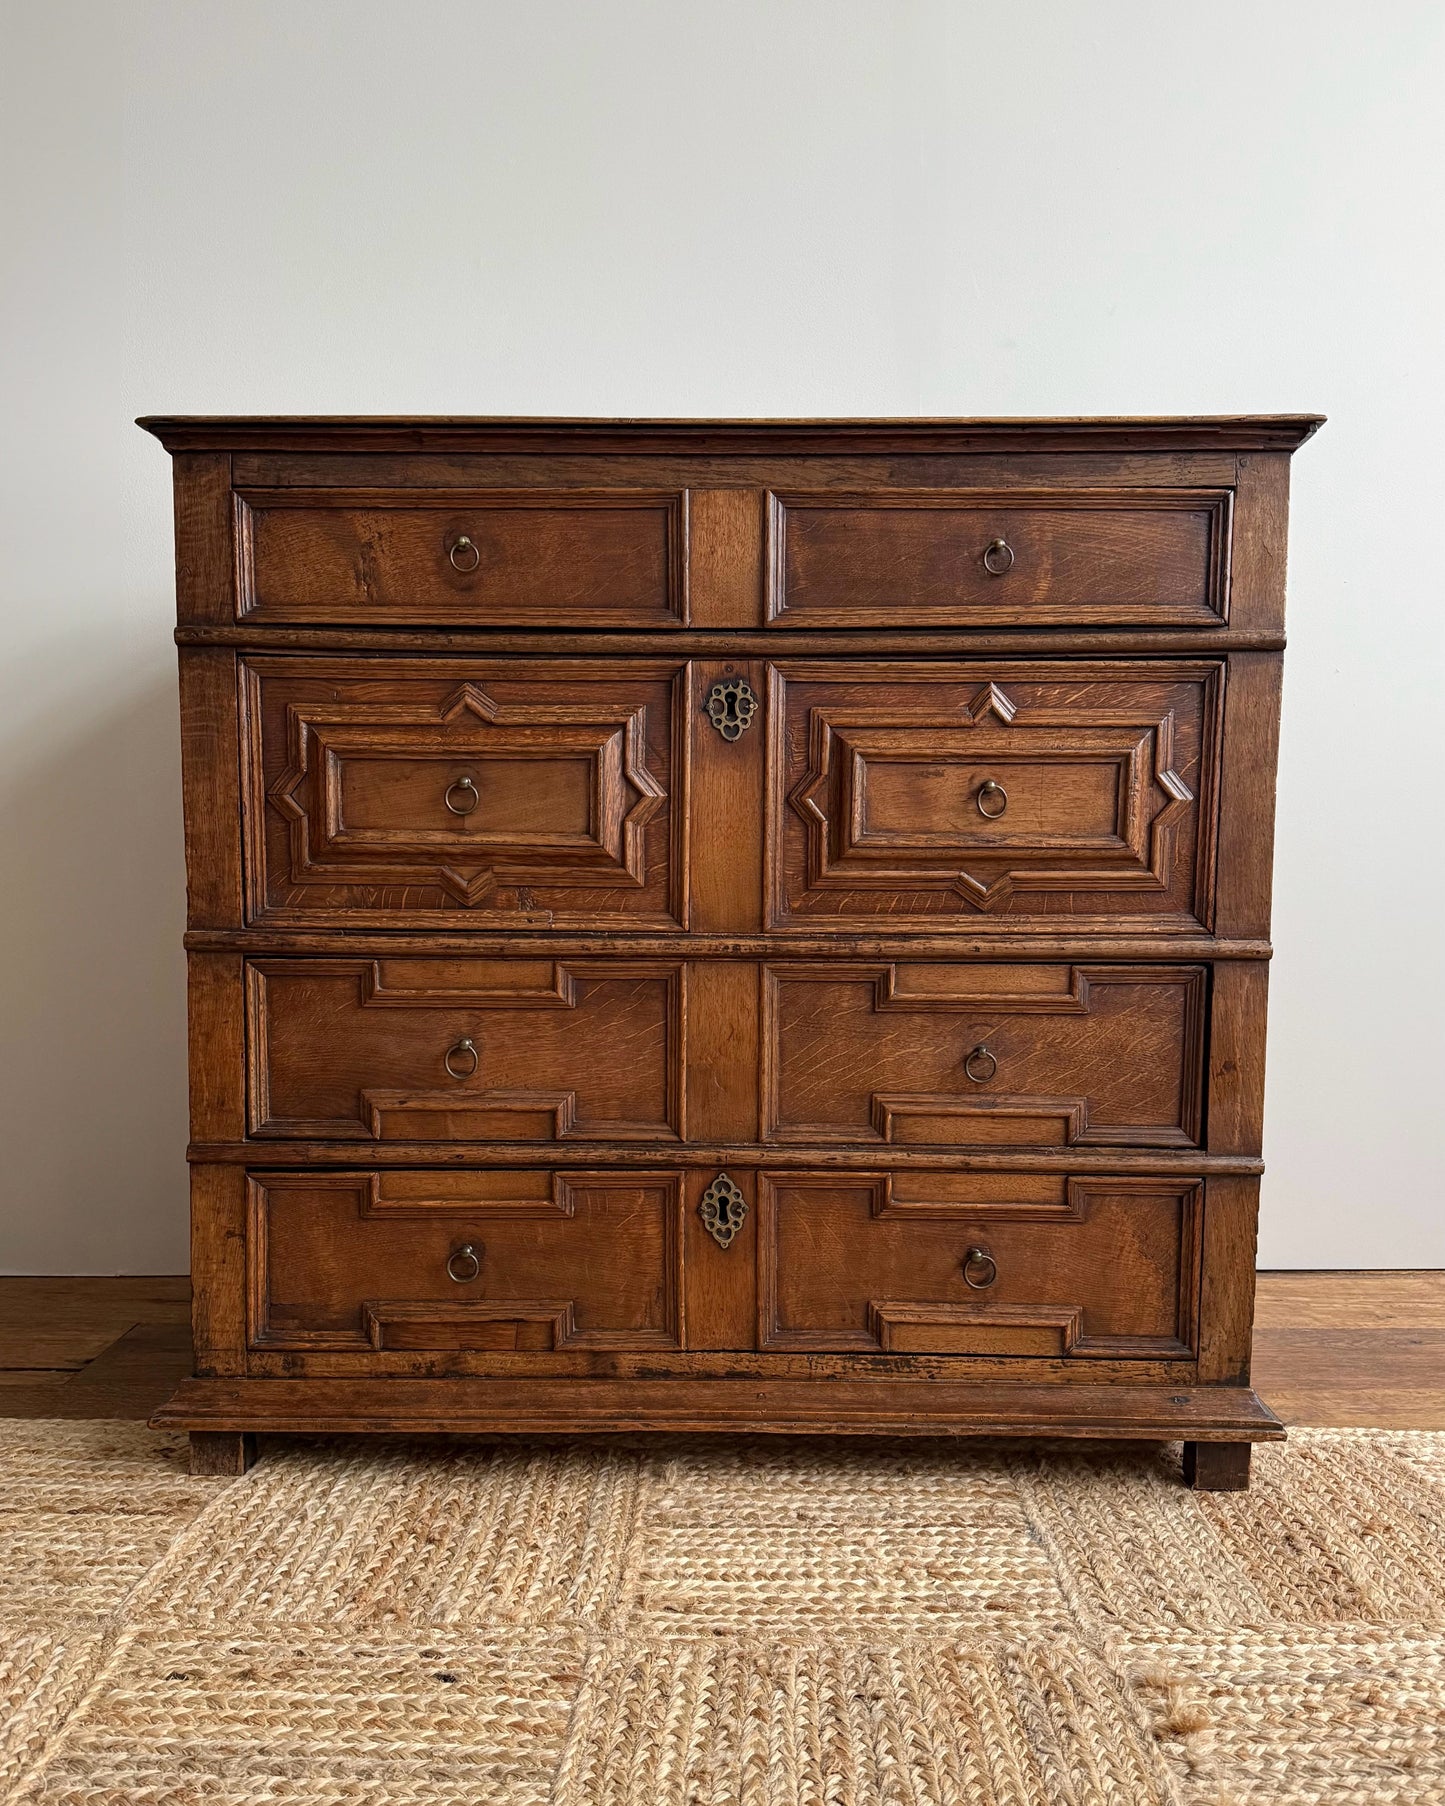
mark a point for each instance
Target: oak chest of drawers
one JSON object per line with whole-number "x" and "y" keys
{"x": 754, "y": 926}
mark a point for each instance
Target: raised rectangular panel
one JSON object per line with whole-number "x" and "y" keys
{"x": 503, "y": 558}
{"x": 1014, "y": 558}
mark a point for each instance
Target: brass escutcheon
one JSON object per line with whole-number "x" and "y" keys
{"x": 722, "y": 1210}
{"x": 731, "y": 706}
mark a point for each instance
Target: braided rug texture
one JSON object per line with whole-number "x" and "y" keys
{"x": 690, "y": 1622}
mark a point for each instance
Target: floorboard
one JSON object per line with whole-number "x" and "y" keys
{"x": 1331, "y": 1348}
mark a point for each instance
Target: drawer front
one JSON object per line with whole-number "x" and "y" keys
{"x": 501, "y": 1259}
{"x": 466, "y": 1049}
{"x": 540, "y": 558}
{"x": 401, "y": 793}
{"x": 979, "y": 1263}
{"x": 1025, "y": 558}
{"x": 984, "y": 1055}
{"x": 1003, "y": 796}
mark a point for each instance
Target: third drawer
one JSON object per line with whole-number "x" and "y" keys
{"x": 900, "y": 1053}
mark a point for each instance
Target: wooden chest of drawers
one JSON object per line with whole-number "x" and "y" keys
{"x": 755, "y": 926}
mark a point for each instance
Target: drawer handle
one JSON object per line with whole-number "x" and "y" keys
{"x": 989, "y": 794}
{"x": 464, "y": 1049}
{"x": 979, "y": 1258}
{"x": 463, "y": 555}
{"x": 998, "y": 556}
{"x": 975, "y": 1059}
{"x": 470, "y": 1260}
{"x": 461, "y": 787}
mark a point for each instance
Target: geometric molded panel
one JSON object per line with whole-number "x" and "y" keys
{"x": 428, "y": 791}
{"x": 1005, "y": 796}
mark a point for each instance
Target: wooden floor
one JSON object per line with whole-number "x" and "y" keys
{"x": 1329, "y": 1348}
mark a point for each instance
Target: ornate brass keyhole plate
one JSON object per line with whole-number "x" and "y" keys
{"x": 731, "y": 706}
{"x": 723, "y": 1209}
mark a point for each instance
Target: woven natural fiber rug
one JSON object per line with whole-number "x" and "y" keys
{"x": 719, "y": 1623}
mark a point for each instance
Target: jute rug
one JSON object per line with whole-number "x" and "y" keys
{"x": 695, "y": 1623}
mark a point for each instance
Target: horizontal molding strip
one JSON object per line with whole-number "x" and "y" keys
{"x": 596, "y": 1155}
{"x": 953, "y": 642}
{"x": 780, "y": 947}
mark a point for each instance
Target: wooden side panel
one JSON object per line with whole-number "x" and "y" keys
{"x": 1226, "y": 1302}
{"x": 1237, "y": 1027}
{"x": 218, "y": 1269}
{"x": 216, "y": 1008}
{"x": 205, "y": 538}
{"x": 1261, "y": 521}
{"x": 211, "y": 786}
{"x": 1247, "y": 795}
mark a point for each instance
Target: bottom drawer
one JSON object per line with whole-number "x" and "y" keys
{"x": 505, "y": 1260}
{"x": 901, "y": 1261}
{"x": 920, "y": 1262}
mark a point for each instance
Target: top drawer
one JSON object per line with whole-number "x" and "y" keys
{"x": 1025, "y": 558}
{"x": 504, "y": 558}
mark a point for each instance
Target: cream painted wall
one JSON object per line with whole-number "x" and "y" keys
{"x": 751, "y": 207}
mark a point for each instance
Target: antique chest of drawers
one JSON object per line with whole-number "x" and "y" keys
{"x": 728, "y": 925}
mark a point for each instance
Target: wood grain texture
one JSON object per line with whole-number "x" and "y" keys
{"x": 503, "y": 955}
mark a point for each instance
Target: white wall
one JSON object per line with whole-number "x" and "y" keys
{"x": 739, "y": 207}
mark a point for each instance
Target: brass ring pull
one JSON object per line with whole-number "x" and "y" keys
{"x": 998, "y": 556}
{"x": 471, "y": 1260}
{"x": 989, "y": 793}
{"x": 463, "y": 555}
{"x": 976, "y": 1058}
{"x": 979, "y": 1257}
{"x": 461, "y": 787}
{"x": 466, "y": 1049}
